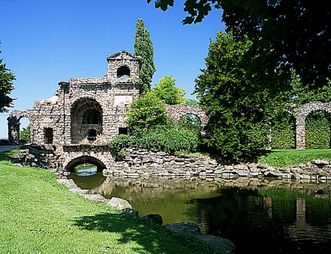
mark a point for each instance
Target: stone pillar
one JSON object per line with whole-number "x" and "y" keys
{"x": 300, "y": 133}
{"x": 13, "y": 130}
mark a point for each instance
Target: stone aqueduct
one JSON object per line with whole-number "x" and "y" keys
{"x": 85, "y": 113}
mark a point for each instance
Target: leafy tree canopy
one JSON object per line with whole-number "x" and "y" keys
{"x": 295, "y": 34}
{"x": 168, "y": 92}
{"x": 143, "y": 47}
{"x": 236, "y": 106}
{"x": 146, "y": 112}
{"x": 6, "y": 86}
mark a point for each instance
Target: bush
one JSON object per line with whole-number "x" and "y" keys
{"x": 161, "y": 138}
{"x": 283, "y": 132}
{"x": 120, "y": 142}
{"x": 318, "y": 130}
{"x": 146, "y": 112}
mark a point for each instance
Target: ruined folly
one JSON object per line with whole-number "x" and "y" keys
{"x": 75, "y": 125}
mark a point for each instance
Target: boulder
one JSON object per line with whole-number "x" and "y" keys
{"x": 119, "y": 203}
{"x": 153, "y": 218}
{"x": 216, "y": 244}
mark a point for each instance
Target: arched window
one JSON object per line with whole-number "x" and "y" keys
{"x": 92, "y": 135}
{"x": 123, "y": 71}
{"x": 92, "y": 116}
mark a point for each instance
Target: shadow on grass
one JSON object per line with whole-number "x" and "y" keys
{"x": 151, "y": 238}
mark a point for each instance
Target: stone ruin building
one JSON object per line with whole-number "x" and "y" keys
{"x": 75, "y": 124}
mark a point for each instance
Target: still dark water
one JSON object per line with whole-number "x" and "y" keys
{"x": 257, "y": 216}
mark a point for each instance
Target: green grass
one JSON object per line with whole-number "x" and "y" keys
{"x": 292, "y": 157}
{"x": 39, "y": 215}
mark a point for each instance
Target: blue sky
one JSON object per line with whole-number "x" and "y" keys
{"x": 47, "y": 41}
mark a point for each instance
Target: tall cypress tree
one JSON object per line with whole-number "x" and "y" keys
{"x": 143, "y": 47}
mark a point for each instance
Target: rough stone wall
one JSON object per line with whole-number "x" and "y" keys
{"x": 111, "y": 94}
{"x": 300, "y": 115}
{"x": 175, "y": 112}
{"x": 142, "y": 163}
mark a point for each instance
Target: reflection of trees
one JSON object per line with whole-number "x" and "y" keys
{"x": 240, "y": 215}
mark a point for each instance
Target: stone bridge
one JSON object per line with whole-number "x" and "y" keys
{"x": 73, "y": 155}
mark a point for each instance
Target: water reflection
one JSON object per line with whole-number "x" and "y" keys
{"x": 258, "y": 216}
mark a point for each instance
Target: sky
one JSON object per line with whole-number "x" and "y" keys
{"x": 47, "y": 41}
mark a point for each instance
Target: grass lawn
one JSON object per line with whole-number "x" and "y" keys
{"x": 292, "y": 157}
{"x": 39, "y": 215}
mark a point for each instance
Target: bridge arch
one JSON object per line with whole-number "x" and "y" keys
{"x": 83, "y": 159}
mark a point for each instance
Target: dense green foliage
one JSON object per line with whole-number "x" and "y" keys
{"x": 25, "y": 134}
{"x": 39, "y": 215}
{"x": 318, "y": 130}
{"x": 143, "y": 47}
{"x": 279, "y": 32}
{"x": 191, "y": 102}
{"x": 285, "y": 158}
{"x": 236, "y": 106}
{"x": 169, "y": 139}
{"x": 6, "y": 86}
{"x": 146, "y": 112}
{"x": 168, "y": 92}
{"x": 283, "y": 131}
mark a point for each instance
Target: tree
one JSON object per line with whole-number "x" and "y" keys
{"x": 143, "y": 47}
{"x": 146, "y": 112}
{"x": 168, "y": 92}
{"x": 291, "y": 34}
{"x": 236, "y": 106}
{"x": 6, "y": 86}
{"x": 25, "y": 134}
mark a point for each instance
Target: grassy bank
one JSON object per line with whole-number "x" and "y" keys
{"x": 38, "y": 215}
{"x": 291, "y": 157}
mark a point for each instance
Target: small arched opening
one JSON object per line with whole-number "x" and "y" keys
{"x": 19, "y": 128}
{"x": 191, "y": 120}
{"x": 123, "y": 71}
{"x": 25, "y": 130}
{"x": 318, "y": 130}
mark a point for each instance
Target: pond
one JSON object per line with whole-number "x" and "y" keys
{"x": 258, "y": 216}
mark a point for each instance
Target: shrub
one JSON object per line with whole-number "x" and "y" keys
{"x": 146, "y": 112}
{"x": 283, "y": 132}
{"x": 160, "y": 138}
{"x": 318, "y": 130}
{"x": 120, "y": 142}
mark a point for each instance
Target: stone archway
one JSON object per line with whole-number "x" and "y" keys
{"x": 86, "y": 115}
{"x": 300, "y": 115}
{"x": 14, "y": 125}
{"x": 70, "y": 166}
{"x": 176, "y": 112}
